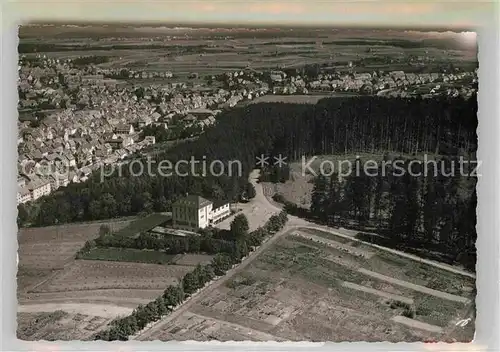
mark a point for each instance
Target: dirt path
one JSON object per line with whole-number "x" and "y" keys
{"x": 418, "y": 288}
{"x": 379, "y": 293}
{"x": 337, "y": 245}
{"x": 417, "y": 324}
{"x": 99, "y": 310}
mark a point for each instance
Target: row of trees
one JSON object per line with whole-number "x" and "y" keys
{"x": 122, "y": 328}
{"x": 333, "y": 126}
{"x": 209, "y": 241}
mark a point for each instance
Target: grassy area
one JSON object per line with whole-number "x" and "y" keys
{"x": 128, "y": 255}
{"x": 27, "y": 328}
{"x": 245, "y": 279}
{"x": 143, "y": 224}
{"x": 308, "y": 263}
{"x": 434, "y": 310}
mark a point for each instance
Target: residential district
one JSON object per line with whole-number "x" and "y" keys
{"x": 74, "y": 118}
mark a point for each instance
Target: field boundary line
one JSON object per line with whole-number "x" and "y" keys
{"x": 412, "y": 323}
{"x": 337, "y": 245}
{"x": 415, "y": 287}
{"x": 225, "y": 322}
{"x": 379, "y": 293}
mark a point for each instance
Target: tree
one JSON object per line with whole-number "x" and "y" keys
{"x": 139, "y": 93}
{"x": 22, "y": 214}
{"x": 190, "y": 283}
{"x": 319, "y": 198}
{"x": 160, "y": 204}
{"x": 162, "y": 306}
{"x": 173, "y": 295}
{"x": 250, "y": 191}
{"x": 239, "y": 226}
{"x": 335, "y": 202}
{"x": 95, "y": 209}
{"x": 109, "y": 207}
{"x": 88, "y": 246}
{"x": 221, "y": 263}
{"x": 357, "y": 193}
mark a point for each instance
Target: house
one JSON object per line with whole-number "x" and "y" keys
{"x": 115, "y": 143}
{"x": 220, "y": 211}
{"x": 201, "y": 114}
{"x": 58, "y": 180}
{"x": 194, "y": 212}
{"x": 191, "y": 213}
{"x": 71, "y": 159}
{"x": 124, "y": 129}
{"x": 23, "y": 195}
{"x": 190, "y": 118}
{"x": 39, "y": 188}
{"x": 127, "y": 141}
{"x": 21, "y": 181}
{"x": 145, "y": 121}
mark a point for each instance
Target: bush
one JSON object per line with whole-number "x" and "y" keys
{"x": 409, "y": 312}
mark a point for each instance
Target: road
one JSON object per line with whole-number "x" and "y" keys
{"x": 258, "y": 210}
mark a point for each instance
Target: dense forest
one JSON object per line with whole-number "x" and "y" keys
{"x": 442, "y": 126}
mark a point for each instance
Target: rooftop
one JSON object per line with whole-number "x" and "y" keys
{"x": 193, "y": 201}
{"x": 220, "y": 203}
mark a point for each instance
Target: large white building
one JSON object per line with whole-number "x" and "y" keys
{"x": 39, "y": 188}
{"x": 194, "y": 212}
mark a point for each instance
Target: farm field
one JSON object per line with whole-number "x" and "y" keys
{"x": 309, "y": 286}
{"x": 128, "y": 255}
{"x": 100, "y": 275}
{"x": 45, "y": 250}
{"x": 58, "y": 325}
{"x": 211, "y": 52}
{"x": 100, "y": 290}
{"x": 193, "y": 259}
{"x": 63, "y": 298}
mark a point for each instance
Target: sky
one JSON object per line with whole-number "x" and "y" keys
{"x": 406, "y": 13}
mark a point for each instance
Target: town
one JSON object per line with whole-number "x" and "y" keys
{"x": 74, "y": 118}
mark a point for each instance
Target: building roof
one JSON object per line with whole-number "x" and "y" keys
{"x": 193, "y": 201}
{"x": 220, "y": 203}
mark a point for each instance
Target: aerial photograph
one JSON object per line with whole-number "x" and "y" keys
{"x": 238, "y": 183}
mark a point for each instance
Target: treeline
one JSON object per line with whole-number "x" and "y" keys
{"x": 208, "y": 241}
{"x": 432, "y": 214}
{"x": 335, "y": 125}
{"x": 122, "y": 328}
